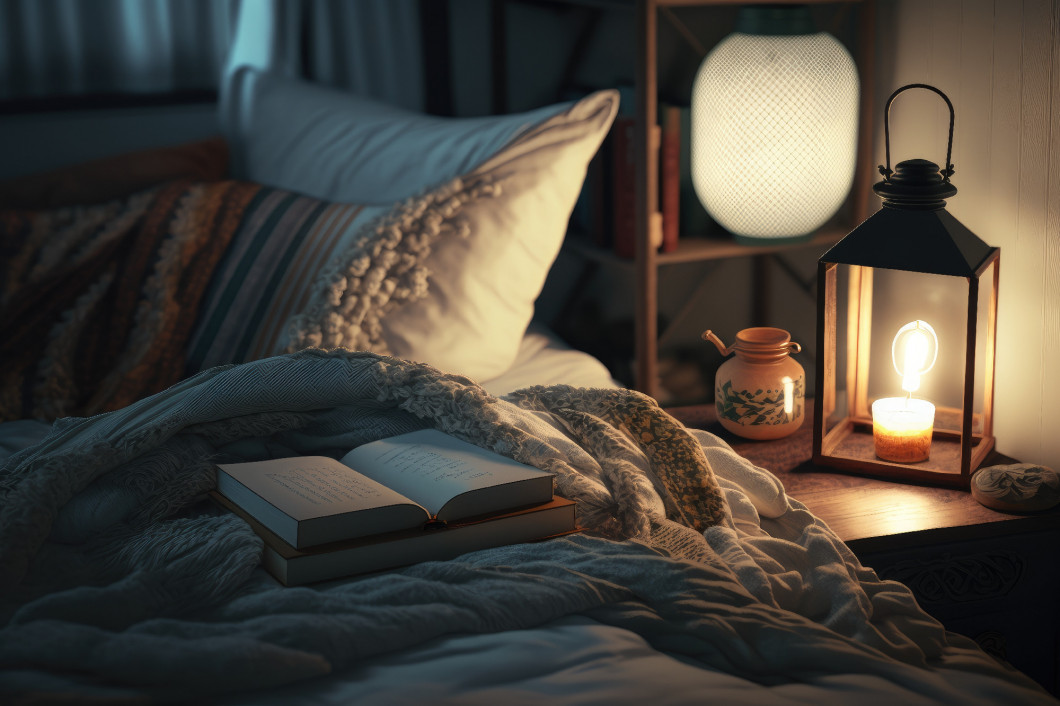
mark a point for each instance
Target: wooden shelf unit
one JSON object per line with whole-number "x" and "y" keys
{"x": 702, "y": 249}
{"x": 647, "y": 260}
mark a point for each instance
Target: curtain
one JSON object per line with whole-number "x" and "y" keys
{"x": 383, "y": 59}
{"x": 52, "y": 48}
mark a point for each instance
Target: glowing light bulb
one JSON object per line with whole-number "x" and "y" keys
{"x": 917, "y": 341}
{"x": 916, "y": 351}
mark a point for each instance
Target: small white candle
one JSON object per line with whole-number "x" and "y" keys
{"x": 901, "y": 429}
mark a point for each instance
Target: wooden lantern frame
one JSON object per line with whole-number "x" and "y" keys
{"x": 837, "y": 446}
{"x": 913, "y": 232}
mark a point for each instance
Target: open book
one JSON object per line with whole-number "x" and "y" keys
{"x": 401, "y": 482}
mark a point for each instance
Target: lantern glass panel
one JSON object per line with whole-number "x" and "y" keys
{"x": 986, "y": 332}
{"x": 899, "y": 298}
{"x": 871, "y": 305}
{"x": 840, "y": 407}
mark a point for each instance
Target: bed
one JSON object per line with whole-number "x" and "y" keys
{"x": 338, "y": 290}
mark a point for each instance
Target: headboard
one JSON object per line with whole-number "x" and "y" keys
{"x": 34, "y": 141}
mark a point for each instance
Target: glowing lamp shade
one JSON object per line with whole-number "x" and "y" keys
{"x": 774, "y": 126}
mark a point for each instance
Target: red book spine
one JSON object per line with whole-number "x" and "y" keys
{"x": 670, "y": 177}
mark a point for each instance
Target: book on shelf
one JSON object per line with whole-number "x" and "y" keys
{"x": 624, "y": 191}
{"x": 412, "y": 481}
{"x": 623, "y": 186}
{"x": 295, "y": 567}
{"x": 592, "y": 211}
{"x": 670, "y": 146}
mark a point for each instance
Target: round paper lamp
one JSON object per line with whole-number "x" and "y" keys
{"x": 774, "y": 126}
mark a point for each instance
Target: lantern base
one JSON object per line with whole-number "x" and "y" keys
{"x": 753, "y": 241}
{"x": 849, "y": 447}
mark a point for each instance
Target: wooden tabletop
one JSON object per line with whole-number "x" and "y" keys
{"x": 870, "y": 514}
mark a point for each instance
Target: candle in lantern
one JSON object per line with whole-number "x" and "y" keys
{"x": 902, "y": 426}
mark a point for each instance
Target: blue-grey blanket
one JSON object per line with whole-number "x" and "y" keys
{"x": 119, "y": 582}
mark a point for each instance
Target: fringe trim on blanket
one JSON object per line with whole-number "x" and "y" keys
{"x": 682, "y": 474}
{"x": 598, "y": 420}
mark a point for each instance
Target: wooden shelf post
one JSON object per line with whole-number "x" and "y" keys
{"x": 646, "y": 274}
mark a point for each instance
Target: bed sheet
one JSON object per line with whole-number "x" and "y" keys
{"x": 545, "y": 359}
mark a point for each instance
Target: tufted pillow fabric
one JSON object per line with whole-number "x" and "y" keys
{"x": 302, "y": 272}
{"x": 483, "y": 283}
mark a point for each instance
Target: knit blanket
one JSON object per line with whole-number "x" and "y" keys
{"x": 107, "y": 502}
{"x": 97, "y": 303}
{"x": 120, "y": 583}
{"x": 317, "y": 402}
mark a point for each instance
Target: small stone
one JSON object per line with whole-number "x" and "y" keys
{"x": 1019, "y": 487}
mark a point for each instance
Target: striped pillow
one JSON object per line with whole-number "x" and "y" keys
{"x": 284, "y": 241}
{"x": 301, "y": 272}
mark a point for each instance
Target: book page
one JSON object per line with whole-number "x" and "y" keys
{"x": 312, "y": 486}
{"x": 431, "y": 467}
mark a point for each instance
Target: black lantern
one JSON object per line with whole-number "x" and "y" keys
{"x": 906, "y": 322}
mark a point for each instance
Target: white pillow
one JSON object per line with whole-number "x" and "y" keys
{"x": 483, "y": 287}
{"x": 483, "y": 281}
{"x": 339, "y": 146}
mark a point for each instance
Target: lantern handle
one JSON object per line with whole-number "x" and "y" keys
{"x": 947, "y": 170}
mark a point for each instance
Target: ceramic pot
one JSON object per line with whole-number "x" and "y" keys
{"x": 760, "y": 393}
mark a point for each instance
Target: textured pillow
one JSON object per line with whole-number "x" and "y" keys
{"x": 482, "y": 286}
{"x": 301, "y": 272}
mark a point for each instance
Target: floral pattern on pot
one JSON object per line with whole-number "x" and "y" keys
{"x": 763, "y": 407}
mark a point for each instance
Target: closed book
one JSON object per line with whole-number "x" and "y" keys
{"x": 670, "y": 176}
{"x": 401, "y": 482}
{"x": 294, "y": 567}
{"x": 624, "y": 188}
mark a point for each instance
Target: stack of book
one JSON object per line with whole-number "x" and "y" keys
{"x": 416, "y": 497}
{"x": 608, "y": 208}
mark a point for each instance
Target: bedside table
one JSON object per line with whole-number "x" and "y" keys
{"x": 992, "y": 576}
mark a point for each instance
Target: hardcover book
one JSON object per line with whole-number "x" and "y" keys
{"x": 294, "y": 567}
{"x": 624, "y": 192}
{"x": 670, "y": 176}
{"x": 411, "y": 481}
